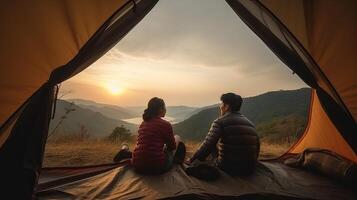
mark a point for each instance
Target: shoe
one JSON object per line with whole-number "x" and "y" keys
{"x": 121, "y": 155}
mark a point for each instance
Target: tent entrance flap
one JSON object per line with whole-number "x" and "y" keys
{"x": 300, "y": 59}
{"x": 93, "y": 28}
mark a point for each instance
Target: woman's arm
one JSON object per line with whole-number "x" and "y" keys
{"x": 170, "y": 139}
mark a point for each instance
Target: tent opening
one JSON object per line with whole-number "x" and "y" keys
{"x": 188, "y": 55}
{"x": 194, "y": 55}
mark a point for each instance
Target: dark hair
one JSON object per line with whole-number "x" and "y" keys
{"x": 154, "y": 106}
{"x": 233, "y": 100}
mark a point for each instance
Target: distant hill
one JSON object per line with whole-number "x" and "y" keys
{"x": 201, "y": 109}
{"x": 277, "y": 104}
{"x": 180, "y": 113}
{"x": 96, "y": 123}
{"x": 278, "y": 116}
{"x": 111, "y": 111}
{"x": 267, "y": 111}
{"x": 83, "y": 102}
{"x": 285, "y": 129}
{"x": 197, "y": 125}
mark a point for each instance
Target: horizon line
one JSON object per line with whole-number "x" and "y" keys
{"x": 193, "y": 106}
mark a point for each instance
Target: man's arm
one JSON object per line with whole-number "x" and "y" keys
{"x": 209, "y": 142}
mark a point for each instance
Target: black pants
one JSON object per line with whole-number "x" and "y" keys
{"x": 230, "y": 168}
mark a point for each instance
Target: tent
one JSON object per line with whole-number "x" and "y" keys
{"x": 44, "y": 43}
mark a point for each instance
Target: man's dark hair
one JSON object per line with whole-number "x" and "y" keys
{"x": 233, "y": 100}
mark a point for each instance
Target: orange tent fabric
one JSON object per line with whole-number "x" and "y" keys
{"x": 327, "y": 29}
{"x": 38, "y": 36}
{"x": 322, "y": 133}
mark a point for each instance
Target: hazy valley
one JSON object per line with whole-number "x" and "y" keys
{"x": 277, "y": 114}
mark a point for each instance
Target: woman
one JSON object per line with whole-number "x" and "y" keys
{"x": 157, "y": 148}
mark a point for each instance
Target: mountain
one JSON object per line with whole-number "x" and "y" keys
{"x": 111, "y": 111}
{"x": 270, "y": 109}
{"x": 79, "y": 118}
{"x": 83, "y": 102}
{"x": 179, "y": 113}
{"x": 201, "y": 109}
{"x": 276, "y": 104}
{"x": 278, "y": 115}
{"x": 284, "y": 129}
{"x": 197, "y": 125}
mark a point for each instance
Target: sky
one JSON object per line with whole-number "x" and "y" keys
{"x": 187, "y": 52}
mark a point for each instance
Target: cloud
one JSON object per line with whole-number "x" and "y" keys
{"x": 205, "y": 32}
{"x": 189, "y": 52}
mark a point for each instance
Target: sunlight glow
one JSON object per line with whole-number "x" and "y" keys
{"x": 114, "y": 89}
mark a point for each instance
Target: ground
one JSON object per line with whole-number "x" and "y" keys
{"x": 96, "y": 151}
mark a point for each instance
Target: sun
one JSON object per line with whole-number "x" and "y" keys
{"x": 114, "y": 89}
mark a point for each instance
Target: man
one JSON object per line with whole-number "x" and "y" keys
{"x": 238, "y": 142}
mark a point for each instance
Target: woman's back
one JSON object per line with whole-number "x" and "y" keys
{"x": 152, "y": 136}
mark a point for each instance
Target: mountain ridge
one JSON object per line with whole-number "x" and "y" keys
{"x": 273, "y": 112}
{"x": 179, "y": 112}
{"x": 260, "y": 109}
{"x": 95, "y": 123}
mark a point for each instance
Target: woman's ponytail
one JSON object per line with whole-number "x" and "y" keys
{"x": 147, "y": 115}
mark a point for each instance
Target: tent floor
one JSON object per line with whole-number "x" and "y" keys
{"x": 272, "y": 180}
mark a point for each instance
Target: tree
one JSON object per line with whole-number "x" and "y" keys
{"x": 120, "y": 134}
{"x": 68, "y": 110}
{"x": 83, "y": 134}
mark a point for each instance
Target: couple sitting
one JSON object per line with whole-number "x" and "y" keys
{"x": 231, "y": 141}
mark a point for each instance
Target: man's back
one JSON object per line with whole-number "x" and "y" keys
{"x": 238, "y": 146}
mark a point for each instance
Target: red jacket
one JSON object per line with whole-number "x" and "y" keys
{"x": 149, "y": 150}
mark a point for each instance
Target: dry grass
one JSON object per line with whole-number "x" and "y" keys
{"x": 191, "y": 147}
{"x": 79, "y": 152}
{"x": 268, "y": 150}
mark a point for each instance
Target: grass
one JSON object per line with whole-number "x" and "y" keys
{"x": 76, "y": 151}
{"x": 271, "y": 150}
